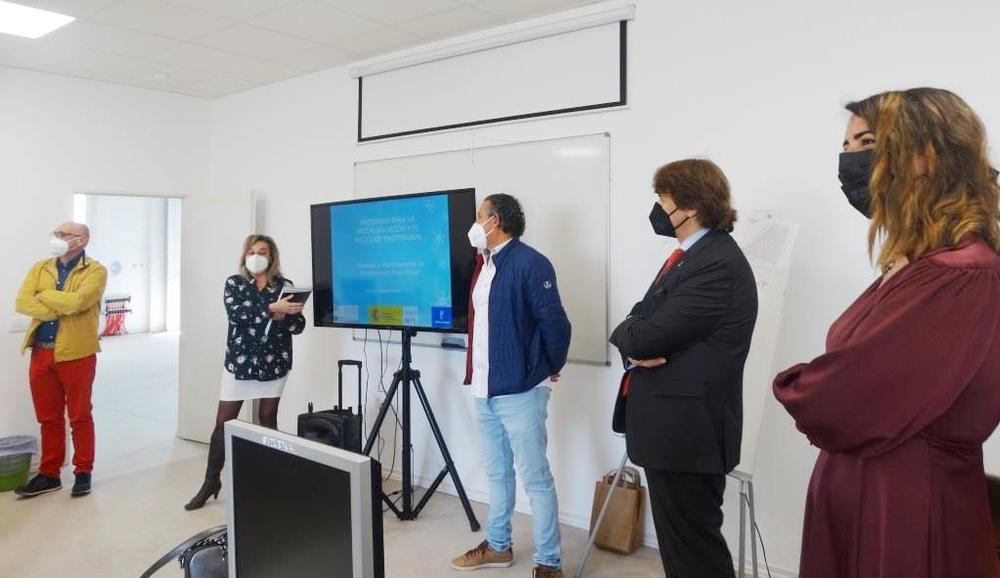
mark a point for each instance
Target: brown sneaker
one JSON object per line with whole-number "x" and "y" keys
{"x": 482, "y": 556}
{"x": 546, "y": 572}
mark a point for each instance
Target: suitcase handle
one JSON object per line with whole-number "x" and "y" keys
{"x": 340, "y": 382}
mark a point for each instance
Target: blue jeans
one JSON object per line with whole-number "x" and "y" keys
{"x": 512, "y": 429}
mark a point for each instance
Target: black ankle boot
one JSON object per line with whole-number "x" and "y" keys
{"x": 209, "y": 488}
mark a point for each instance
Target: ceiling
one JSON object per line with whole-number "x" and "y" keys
{"x": 210, "y": 48}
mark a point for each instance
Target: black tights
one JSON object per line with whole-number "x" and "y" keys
{"x": 267, "y": 415}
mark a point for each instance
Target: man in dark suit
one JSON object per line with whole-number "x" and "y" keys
{"x": 684, "y": 345}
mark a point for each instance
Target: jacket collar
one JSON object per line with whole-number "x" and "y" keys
{"x": 695, "y": 238}
{"x": 672, "y": 276}
{"x": 710, "y": 237}
{"x": 500, "y": 257}
{"x": 52, "y": 265}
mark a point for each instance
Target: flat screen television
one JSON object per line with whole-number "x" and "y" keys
{"x": 300, "y": 508}
{"x": 401, "y": 262}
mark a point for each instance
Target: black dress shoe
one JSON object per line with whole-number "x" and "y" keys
{"x": 81, "y": 487}
{"x": 40, "y": 484}
{"x": 209, "y": 488}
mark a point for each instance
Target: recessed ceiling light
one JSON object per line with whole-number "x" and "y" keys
{"x": 29, "y": 22}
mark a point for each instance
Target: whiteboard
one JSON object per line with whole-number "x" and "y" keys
{"x": 549, "y": 178}
{"x": 767, "y": 238}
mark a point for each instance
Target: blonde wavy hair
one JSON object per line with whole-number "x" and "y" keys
{"x": 932, "y": 184}
{"x": 273, "y": 262}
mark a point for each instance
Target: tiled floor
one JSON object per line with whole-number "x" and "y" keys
{"x": 130, "y": 520}
{"x": 145, "y": 475}
{"x": 135, "y": 404}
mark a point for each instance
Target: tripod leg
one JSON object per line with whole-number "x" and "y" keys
{"x": 753, "y": 529}
{"x": 408, "y": 513}
{"x": 376, "y": 426}
{"x": 433, "y": 487}
{"x": 382, "y": 411}
{"x": 449, "y": 464}
{"x": 392, "y": 506}
{"x": 743, "y": 529}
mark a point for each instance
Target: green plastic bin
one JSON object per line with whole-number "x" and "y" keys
{"x": 15, "y": 461}
{"x": 14, "y": 471}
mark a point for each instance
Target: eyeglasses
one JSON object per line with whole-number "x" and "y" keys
{"x": 64, "y": 236}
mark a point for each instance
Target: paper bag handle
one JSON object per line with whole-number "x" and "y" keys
{"x": 630, "y": 478}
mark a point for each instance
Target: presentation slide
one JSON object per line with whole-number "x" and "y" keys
{"x": 392, "y": 262}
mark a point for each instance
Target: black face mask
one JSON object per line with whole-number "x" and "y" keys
{"x": 661, "y": 221}
{"x": 855, "y": 172}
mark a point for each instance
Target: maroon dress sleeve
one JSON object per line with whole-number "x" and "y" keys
{"x": 902, "y": 366}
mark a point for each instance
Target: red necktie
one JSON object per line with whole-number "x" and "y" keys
{"x": 672, "y": 260}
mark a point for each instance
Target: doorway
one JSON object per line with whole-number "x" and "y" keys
{"x": 138, "y": 240}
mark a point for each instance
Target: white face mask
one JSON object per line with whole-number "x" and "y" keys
{"x": 58, "y": 247}
{"x": 478, "y": 234}
{"x": 256, "y": 264}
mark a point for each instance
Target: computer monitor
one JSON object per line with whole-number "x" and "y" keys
{"x": 300, "y": 508}
{"x": 401, "y": 262}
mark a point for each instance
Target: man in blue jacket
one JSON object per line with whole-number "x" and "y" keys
{"x": 518, "y": 337}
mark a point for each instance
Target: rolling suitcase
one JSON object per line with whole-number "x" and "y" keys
{"x": 339, "y": 427}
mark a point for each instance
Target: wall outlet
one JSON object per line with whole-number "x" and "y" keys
{"x": 18, "y": 324}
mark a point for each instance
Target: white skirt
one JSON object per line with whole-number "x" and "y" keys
{"x": 243, "y": 389}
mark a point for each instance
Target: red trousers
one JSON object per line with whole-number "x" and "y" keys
{"x": 58, "y": 388}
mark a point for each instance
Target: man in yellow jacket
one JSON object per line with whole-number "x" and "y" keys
{"x": 63, "y": 298}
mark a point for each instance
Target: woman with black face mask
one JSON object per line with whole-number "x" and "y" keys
{"x": 856, "y": 160}
{"x": 909, "y": 387}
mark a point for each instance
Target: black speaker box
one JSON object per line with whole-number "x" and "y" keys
{"x": 338, "y": 427}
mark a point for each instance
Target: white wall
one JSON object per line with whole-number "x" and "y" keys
{"x": 756, "y": 87}
{"x": 63, "y": 135}
{"x": 158, "y": 244}
{"x": 173, "y": 306}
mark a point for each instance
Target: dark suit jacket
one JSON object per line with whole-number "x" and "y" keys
{"x": 687, "y": 415}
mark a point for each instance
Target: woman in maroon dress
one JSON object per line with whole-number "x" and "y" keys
{"x": 909, "y": 387}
